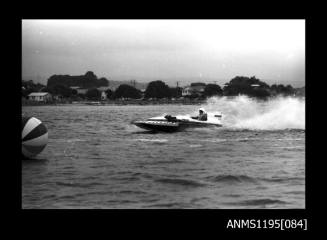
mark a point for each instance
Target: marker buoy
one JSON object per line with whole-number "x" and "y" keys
{"x": 34, "y": 136}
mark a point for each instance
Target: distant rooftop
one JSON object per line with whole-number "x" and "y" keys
{"x": 103, "y": 88}
{"x": 38, "y": 94}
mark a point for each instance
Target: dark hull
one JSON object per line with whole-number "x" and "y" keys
{"x": 158, "y": 126}
{"x": 165, "y": 126}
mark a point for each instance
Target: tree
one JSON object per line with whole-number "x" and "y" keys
{"x": 197, "y": 84}
{"x": 127, "y": 91}
{"x": 93, "y": 94}
{"x": 81, "y": 95}
{"x": 90, "y": 75}
{"x": 249, "y": 86}
{"x": 29, "y": 87}
{"x": 157, "y": 89}
{"x": 102, "y": 82}
{"x": 289, "y": 90}
{"x": 62, "y": 90}
{"x": 176, "y": 92}
{"x": 89, "y": 80}
{"x": 212, "y": 90}
{"x": 261, "y": 93}
{"x": 280, "y": 89}
{"x": 109, "y": 93}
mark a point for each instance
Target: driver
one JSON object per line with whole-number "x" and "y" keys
{"x": 202, "y": 115}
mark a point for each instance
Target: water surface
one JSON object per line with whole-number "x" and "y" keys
{"x": 96, "y": 159}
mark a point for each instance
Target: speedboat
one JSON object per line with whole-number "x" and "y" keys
{"x": 169, "y": 123}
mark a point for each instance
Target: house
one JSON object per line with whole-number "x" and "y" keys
{"x": 193, "y": 90}
{"x": 103, "y": 92}
{"x": 57, "y": 97}
{"x": 186, "y": 91}
{"x": 40, "y": 96}
{"x": 103, "y": 96}
{"x": 103, "y": 89}
{"x": 82, "y": 90}
{"x": 75, "y": 87}
{"x": 143, "y": 90}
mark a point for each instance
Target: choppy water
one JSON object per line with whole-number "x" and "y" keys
{"x": 96, "y": 159}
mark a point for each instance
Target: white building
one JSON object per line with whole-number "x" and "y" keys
{"x": 103, "y": 96}
{"x": 40, "y": 96}
{"x": 188, "y": 91}
{"x": 103, "y": 92}
{"x": 103, "y": 89}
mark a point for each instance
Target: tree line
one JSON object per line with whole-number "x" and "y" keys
{"x": 88, "y": 80}
{"x": 158, "y": 89}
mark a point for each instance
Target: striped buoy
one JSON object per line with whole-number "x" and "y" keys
{"x": 34, "y": 136}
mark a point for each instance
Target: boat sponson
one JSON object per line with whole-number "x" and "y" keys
{"x": 158, "y": 125}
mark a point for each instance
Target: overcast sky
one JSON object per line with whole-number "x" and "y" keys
{"x": 171, "y": 50}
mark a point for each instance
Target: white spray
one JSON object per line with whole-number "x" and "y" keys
{"x": 242, "y": 112}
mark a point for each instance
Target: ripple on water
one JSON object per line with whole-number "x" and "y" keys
{"x": 96, "y": 159}
{"x": 230, "y": 179}
{"x": 181, "y": 182}
{"x": 257, "y": 202}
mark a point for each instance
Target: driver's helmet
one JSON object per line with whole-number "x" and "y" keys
{"x": 202, "y": 109}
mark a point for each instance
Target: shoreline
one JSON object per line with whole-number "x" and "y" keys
{"x": 128, "y": 102}
{"x": 116, "y": 102}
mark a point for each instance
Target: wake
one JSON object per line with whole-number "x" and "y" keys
{"x": 242, "y": 112}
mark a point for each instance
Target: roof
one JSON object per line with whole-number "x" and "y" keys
{"x": 103, "y": 88}
{"x": 38, "y": 94}
{"x": 197, "y": 88}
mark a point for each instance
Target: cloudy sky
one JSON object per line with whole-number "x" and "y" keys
{"x": 170, "y": 50}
